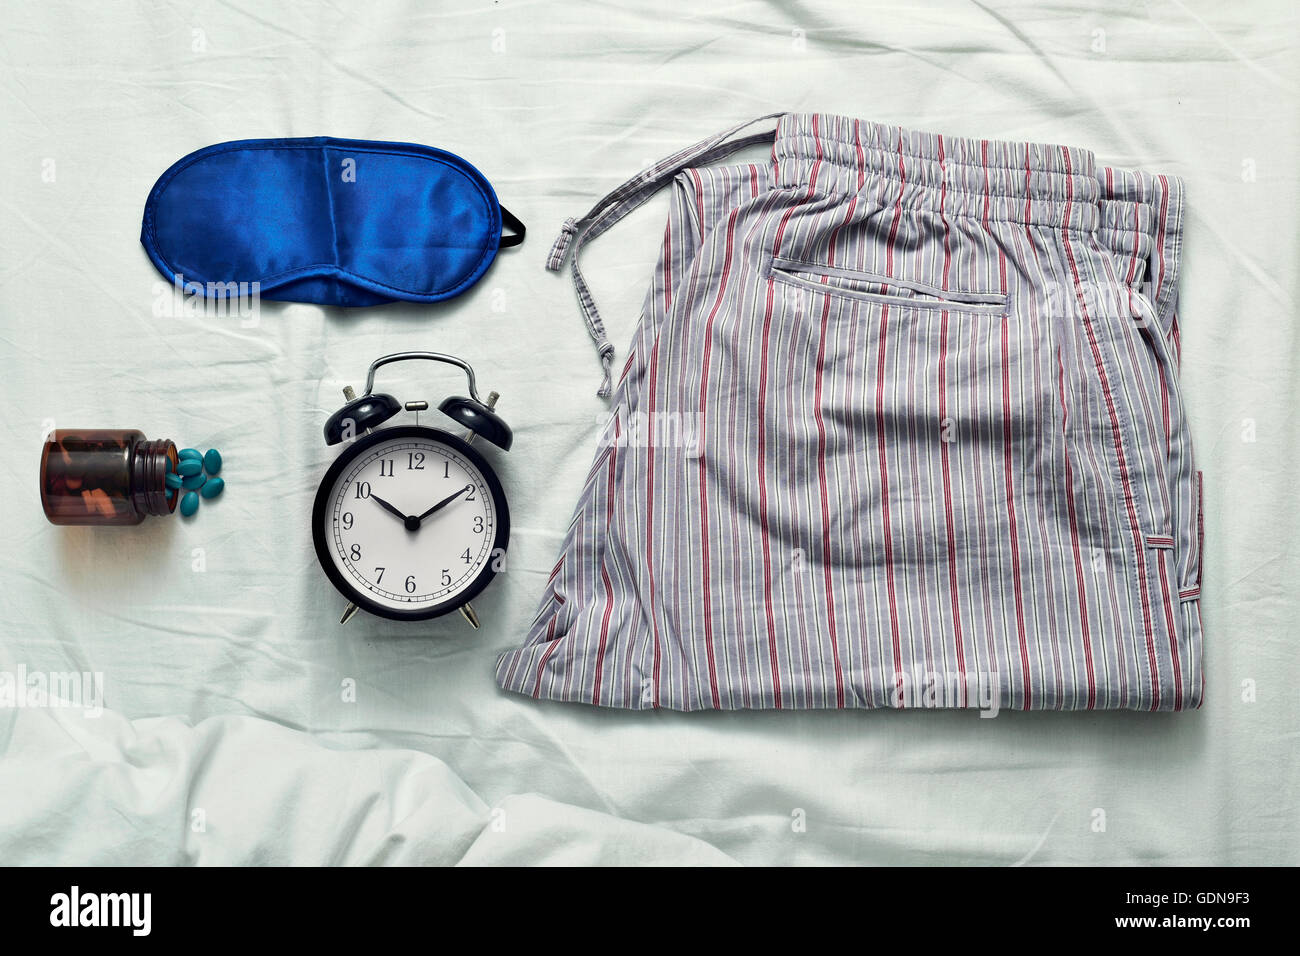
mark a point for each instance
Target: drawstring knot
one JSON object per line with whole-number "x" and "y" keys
{"x": 560, "y": 248}
{"x": 607, "y": 363}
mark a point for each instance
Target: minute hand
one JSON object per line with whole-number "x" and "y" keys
{"x": 446, "y": 501}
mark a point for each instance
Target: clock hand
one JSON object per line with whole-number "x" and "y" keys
{"x": 445, "y": 501}
{"x": 391, "y": 509}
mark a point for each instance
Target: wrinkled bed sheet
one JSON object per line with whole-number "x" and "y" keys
{"x": 241, "y": 724}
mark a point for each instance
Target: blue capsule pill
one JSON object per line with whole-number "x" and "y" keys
{"x": 172, "y": 481}
{"x": 212, "y": 487}
{"x": 191, "y": 453}
{"x": 212, "y": 461}
{"x": 190, "y": 466}
{"x": 167, "y": 466}
{"x": 189, "y": 503}
{"x": 170, "y": 493}
{"x": 193, "y": 482}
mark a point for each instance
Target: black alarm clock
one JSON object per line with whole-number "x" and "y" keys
{"x": 410, "y": 522}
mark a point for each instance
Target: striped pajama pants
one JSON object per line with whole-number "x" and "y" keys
{"x": 900, "y": 427}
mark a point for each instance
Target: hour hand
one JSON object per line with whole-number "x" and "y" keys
{"x": 391, "y": 509}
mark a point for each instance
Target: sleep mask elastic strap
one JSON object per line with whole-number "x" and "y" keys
{"x": 623, "y": 200}
{"x": 512, "y": 221}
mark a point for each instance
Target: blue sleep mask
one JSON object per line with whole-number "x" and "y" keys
{"x": 332, "y": 221}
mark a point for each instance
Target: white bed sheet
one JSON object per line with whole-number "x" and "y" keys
{"x": 226, "y": 737}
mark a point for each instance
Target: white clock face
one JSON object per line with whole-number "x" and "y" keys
{"x": 410, "y": 524}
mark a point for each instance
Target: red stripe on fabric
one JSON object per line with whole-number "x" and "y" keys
{"x": 884, "y": 494}
{"x": 1133, "y": 259}
{"x": 943, "y": 218}
{"x": 821, "y": 459}
{"x": 898, "y": 211}
{"x": 1173, "y": 318}
{"x": 1164, "y": 412}
{"x": 825, "y": 504}
{"x": 699, "y": 198}
{"x": 541, "y": 665}
{"x": 762, "y": 488}
{"x": 1173, "y": 635}
{"x": 948, "y": 516}
{"x": 1029, "y": 192}
{"x": 1117, "y": 439}
{"x": 1079, "y": 586}
{"x": 652, "y": 387}
{"x": 862, "y": 156}
{"x": 880, "y": 428}
{"x": 604, "y": 574}
{"x": 1011, "y": 515}
{"x": 706, "y": 583}
{"x": 604, "y": 634}
{"x": 984, "y": 155}
{"x": 1160, "y": 237}
{"x": 668, "y": 266}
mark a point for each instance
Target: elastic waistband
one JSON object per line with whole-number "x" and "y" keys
{"x": 951, "y": 176}
{"x": 1140, "y": 211}
{"x": 986, "y": 179}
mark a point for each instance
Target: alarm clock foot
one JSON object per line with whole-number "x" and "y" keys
{"x": 467, "y": 612}
{"x": 348, "y": 613}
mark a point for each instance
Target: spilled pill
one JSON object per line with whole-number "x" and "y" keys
{"x": 196, "y": 474}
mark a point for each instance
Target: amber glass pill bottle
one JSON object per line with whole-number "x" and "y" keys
{"x": 105, "y": 476}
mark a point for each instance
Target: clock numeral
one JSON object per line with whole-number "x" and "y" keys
{"x": 470, "y": 496}
{"x": 410, "y": 584}
{"x": 356, "y": 552}
{"x": 466, "y": 557}
{"x": 446, "y": 577}
{"x": 379, "y": 572}
{"x": 347, "y": 521}
{"x": 363, "y": 489}
{"x": 415, "y": 461}
{"x": 478, "y": 524}
{"x": 386, "y": 468}
{"x": 446, "y": 469}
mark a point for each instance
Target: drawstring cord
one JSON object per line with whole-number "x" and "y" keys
{"x": 624, "y": 199}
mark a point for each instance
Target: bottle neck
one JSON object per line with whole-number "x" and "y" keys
{"x": 149, "y": 477}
